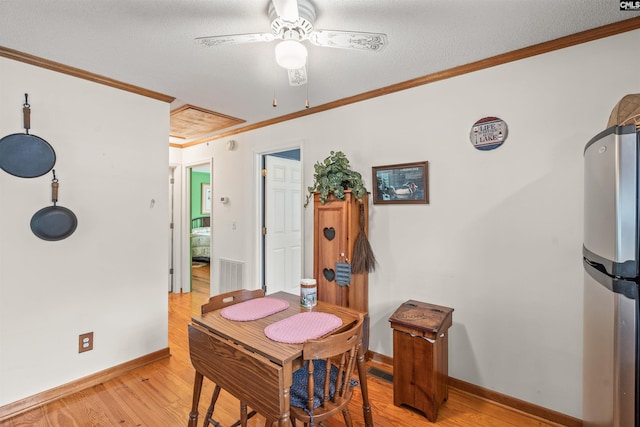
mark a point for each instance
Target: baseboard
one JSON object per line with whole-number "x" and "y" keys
{"x": 499, "y": 398}
{"x": 379, "y": 358}
{"x": 516, "y": 404}
{"x": 40, "y": 399}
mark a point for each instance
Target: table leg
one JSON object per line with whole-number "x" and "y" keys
{"x": 285, "y": 417}
{"x": 285, "y": 421}
{"x": 285, "y": 414}
{"x": 362, "y": 373}
{"x": 197, "y": 388}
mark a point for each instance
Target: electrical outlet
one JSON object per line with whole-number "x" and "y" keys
{"x": 85, "y": 342}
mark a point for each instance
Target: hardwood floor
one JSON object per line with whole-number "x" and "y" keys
{"x": 159, "y": 394}
{"x": 200, "y": 283}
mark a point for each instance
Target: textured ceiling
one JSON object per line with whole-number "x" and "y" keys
{"x": 150, "y": 43}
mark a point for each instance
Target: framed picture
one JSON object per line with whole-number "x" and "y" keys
{"x": 404, "y": 183}
{"x": 205, "y": 201}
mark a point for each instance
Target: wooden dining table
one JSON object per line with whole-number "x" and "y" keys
{"x": 240, "y": 358}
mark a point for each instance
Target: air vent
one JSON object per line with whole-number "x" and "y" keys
{"x": 231, "y": 275}
{"x": 379, "y": 373}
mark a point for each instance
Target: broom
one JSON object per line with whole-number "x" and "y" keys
{"x": 363, "y": 258}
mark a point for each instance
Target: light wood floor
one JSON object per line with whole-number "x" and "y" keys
{"x": 159, "y": 395}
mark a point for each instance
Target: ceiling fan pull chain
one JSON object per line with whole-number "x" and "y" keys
{"x": 306, "y": 103}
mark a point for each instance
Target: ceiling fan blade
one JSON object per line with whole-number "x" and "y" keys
{"x": 348, "y": 39}
{"x": 287, "y": 10}
{"x": 298, "y": 76}
{"x": 235, "y": 39}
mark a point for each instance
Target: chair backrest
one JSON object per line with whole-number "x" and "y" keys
{"x": 337, "y": 355}
{"x": 229, "y": 298}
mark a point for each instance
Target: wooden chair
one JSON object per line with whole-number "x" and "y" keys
{"x": 319, "y": 392}
{"x": 215, "y": 303}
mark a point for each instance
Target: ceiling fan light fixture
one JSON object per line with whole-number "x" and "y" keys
{"x": 291, "y": 54}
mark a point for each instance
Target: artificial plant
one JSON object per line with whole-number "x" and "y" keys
{"x": 333, "y": 176}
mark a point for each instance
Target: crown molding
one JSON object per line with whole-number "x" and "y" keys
{"x": 76, "y": 72}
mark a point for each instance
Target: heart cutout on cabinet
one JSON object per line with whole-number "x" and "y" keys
{"x": 329, "y": 274}
{"x": 329, "y": 233}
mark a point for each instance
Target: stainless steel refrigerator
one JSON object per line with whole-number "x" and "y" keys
{"x": 611, "y": 278}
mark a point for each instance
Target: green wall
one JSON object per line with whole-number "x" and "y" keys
{"x": 197, "y": 179}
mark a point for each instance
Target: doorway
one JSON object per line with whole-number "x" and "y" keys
{"x": 200, "y": 221}
{"x": 172, "y": 252}
{"x": 282, "y": 221}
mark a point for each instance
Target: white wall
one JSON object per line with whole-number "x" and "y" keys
{"x": 501, "y": 239}
{"x": 110, "y": 276}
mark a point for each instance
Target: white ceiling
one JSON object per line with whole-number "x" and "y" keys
{"x": 150, "y": 43}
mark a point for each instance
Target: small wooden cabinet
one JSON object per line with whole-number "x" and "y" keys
{"x": 420, "y": 356}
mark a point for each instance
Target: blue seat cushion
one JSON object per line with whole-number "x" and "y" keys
{"x": 300, "y": 385}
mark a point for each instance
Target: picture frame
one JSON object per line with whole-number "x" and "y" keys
{"x": 406, "y": 183}
{"x": 205, "y": 201}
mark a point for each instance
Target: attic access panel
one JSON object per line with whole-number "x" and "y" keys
{"x": 190, "y": 121}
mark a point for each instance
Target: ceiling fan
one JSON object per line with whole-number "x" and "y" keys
{"x": 292, "y": 23}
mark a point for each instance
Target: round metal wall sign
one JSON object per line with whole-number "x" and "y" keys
{"x": 488, "y": 133}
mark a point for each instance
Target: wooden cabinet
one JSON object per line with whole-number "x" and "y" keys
{"x": 420, "y": 356}
{"x": 336, "y": 227}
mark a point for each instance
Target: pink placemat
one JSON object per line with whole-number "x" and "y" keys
{"x": 302, "y": 326}
{"x": 254, "y": 309}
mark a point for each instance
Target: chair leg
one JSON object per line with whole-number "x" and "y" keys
{"x": 243, "y": 414}
{"x": 347, "y": 417}
{"x": 214, "y": 397}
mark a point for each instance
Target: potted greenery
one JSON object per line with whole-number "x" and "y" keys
{"x": 333, "y": 176}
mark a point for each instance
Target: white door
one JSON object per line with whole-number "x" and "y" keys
{"x": 283, "y": 205}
